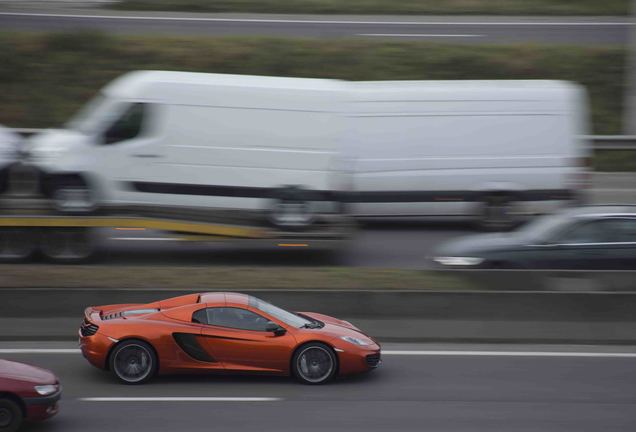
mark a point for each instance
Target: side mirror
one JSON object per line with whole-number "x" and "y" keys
{"x": 275, "y": 328}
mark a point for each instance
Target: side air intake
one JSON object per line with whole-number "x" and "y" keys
{"x": 188, "y": 342}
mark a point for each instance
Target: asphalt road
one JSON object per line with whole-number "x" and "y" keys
{"x": 561, "y": 30}
{"x": 492, "y": 391}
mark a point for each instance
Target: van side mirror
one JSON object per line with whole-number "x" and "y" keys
{"x": 275, "y": 328}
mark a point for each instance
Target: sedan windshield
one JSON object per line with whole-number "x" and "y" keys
{"x": 543, "y": 228}
{"x": 281, "y": 314}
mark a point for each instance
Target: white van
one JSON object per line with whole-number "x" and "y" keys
{"x": 263, "y": 146}
{"x": 9, "y": 148}
{"x": 465, "y": 148}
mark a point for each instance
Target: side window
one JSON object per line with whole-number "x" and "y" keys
{"x": 622, "y": 230}
{"x": 587, "y": 232}
{"x": 200, "y": 317}
{"x": 128, "y": 126}
{"x": 236, "y": 318}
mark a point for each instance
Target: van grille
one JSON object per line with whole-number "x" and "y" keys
{"x": 373, "y": 360}
{"x": 88, "y": 328}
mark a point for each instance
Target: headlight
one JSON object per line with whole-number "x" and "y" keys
{"x": 47, "y": 389}
{"x": 459, "y": 261}
{"x": 354, "y": 340}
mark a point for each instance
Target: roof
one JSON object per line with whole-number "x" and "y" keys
{"x": 133, "y": 82}
{"x": 602, "y": 210}
{"x": 224, "y": 298}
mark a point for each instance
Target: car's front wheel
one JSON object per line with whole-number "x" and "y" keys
{"x": 314, "y": 363}
{"x": 133, "y": 362}
{"x": 10, "y": 416}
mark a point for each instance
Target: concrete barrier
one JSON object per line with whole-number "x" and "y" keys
{"x": 559, "y": 317}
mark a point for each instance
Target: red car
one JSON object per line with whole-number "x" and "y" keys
{"x": 222, "y": 332}
{"x": 26, "y": 392}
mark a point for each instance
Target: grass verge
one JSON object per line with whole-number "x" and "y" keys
{"x": 222, "y": 278}
{"x": 490, "y": 7}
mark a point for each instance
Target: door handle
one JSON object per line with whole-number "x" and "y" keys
{"x": 140, "y": 155}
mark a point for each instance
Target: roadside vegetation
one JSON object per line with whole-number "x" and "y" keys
{"x": 225, "y": 278}
{"x": 44, "y": 78}
{"x": 486, "y": 7}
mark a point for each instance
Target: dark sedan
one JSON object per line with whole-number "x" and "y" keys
{"x": 595, "y": 238}
{"x": 26, "y": 392}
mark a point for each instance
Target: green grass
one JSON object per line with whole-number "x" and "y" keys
{"x": 491, "y": 7}
{"x": 614, "y": 160}
{"x": 224, "y": 278}
{"x": 44, "y": 78}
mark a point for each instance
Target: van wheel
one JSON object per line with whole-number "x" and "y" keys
{"x": 4, "y": 181}
{"x": 68, "y": 245}
{"x": 497, "y": 212}
{"x": 71, "y": 195}
{"x": 17, "y": 244}
{"x": 291, "y": 209}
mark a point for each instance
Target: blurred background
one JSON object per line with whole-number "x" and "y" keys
{"x": 517, "y": 250}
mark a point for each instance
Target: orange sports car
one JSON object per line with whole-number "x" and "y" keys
{"x": 224, "y": 332}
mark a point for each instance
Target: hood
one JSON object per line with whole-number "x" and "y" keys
{"x": 10, "y": 144}
{"x": 477, "y": 243}
{"x": 53, "y": 142}
{"x": 337, "y": 327}
{"x": 24, "y": 372}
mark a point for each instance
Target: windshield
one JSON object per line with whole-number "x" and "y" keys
{"x": 542, "y": 228}
{"x": 281, "y": 314}
{"x": 89, "y": 118}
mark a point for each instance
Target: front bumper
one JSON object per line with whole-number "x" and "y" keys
{"x": 357, "y": 359}
{"x": 42, "y": 407}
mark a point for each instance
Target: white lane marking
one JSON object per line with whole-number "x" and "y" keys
{"x": 395, "y": 353}
{"x": 309, "y": 21}
{"x": 40, "y": 351}
{"x": 180, "y": 399}
{"x": 147, "y": 238}
{"x": 512, "y": 354}
{"x": 420, "y": 35}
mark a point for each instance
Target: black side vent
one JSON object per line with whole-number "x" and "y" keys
{"x": 188, "y": 342}
{"x": 88, "y": 328}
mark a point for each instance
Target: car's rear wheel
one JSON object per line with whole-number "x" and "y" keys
{"x": 10, "y": 416}
{"x": 133, "y": 362}
{"x": 314, "y": 363}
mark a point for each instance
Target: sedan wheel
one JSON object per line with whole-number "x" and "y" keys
{"x": 133, "y": 362}
{"x": 10, "y": 416}
{"x": 314, "y": 363}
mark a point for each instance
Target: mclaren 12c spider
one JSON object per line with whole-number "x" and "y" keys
{"x": 224, "y": 332}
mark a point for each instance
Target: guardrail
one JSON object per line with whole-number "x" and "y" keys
{"x": 600, "y": 142}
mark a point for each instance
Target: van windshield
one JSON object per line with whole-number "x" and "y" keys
{"x": 88, "y": 119}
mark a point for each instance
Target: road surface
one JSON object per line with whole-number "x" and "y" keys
{"x": 455, "y": 29}
{"x": 417, "y": 388}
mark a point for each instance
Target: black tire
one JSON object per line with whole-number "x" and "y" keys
{"x": 70, "y": 194}
{"x": 10, "y": 415}
{"x": 497, "y": 212}
{"x": 68, "y": 245}
{"x": 17, "y": 244}
{"x": 133, "y": 361}
{"x": 4, "y": 181}
{"x": 314, "y": 363}
{"x": 291, "y": 209}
